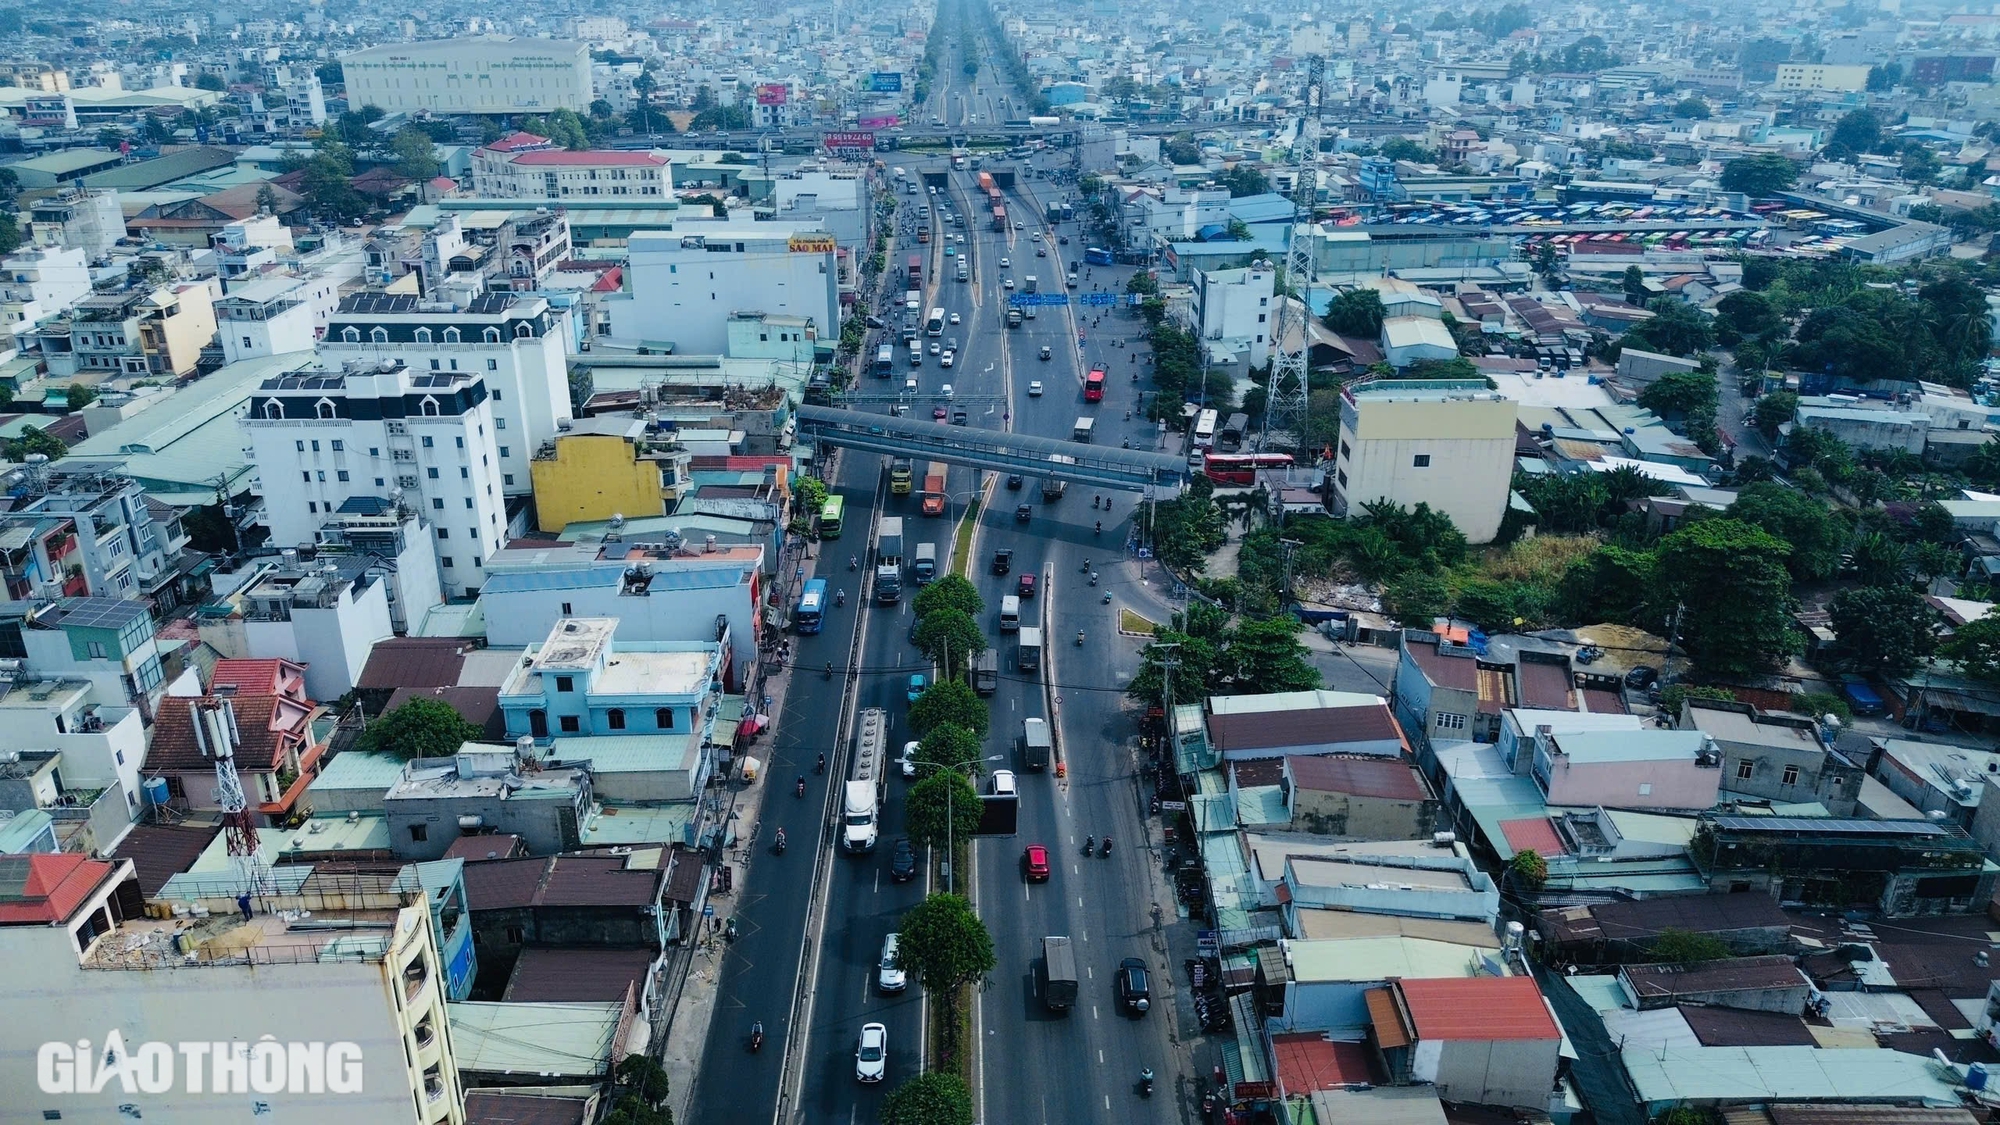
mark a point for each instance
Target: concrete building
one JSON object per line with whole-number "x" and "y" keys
{"x": 1904, "y": 868}
{"x": 1819, "y": 76}
{"x": 515, "y": 344}
{"x": 607, "y": 466}
{"x": 561, "y": 174}
{"x": 126, "y": 546}
{"x": 109, "y": 643}
{"x": 135, "y": 332}
{"x": 88, "y": 219}
{"x": 87, "y": 958}
{"x": 579, "y": 682}
{"x": 1445, "y": 443}
{"x": 325, "y": 615}
{"x": 485, "y": 790}
{"x": 1478, "y": 1040}
{"x": 38, "y": 283}
{"x": 1409, "y": 339}
{"x": 1284, "y": 724}
{"x": 681, "y": 287}
{"x": 1777, "y": 757}
{"x": 429, "y": 435}
{"x": 1864, "y": 426}
{"x": 268, "y": 316}
{"x": 1231, "y": 313}
{"x": 470, "y": 75}
{"x": 1359, "y": 798}
{"x": 1308, "y": 878}
{"x": 90, "y": 745}
{"x": 1645, "y": 769}
{"x": 395, "y": 547}
{"x": 1771, "y": 983}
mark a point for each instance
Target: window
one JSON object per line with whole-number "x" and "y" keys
{"x": 351, "y": 334}
{"x": 538, "y": 723}
{"x": 499, "y": 423}
{"x": 431, "y": 473}
{"x": 96, "y": 650}
{"x": 437, "y": 502}
{"x": 451, "y": 335}
{"x": 1791, "y": 776}
{"x": 508, "y": 479}
{"x": 435, "y": 365}
{"x": 1449, "y": 721}
{"x": 444, "y": 533}
{"x": 664, "y": 718}
{"x": 459, "y": 441}
{"x": 472, "y": 533}
{"x": 1343, "y": 451}
{"x": 419, "y": 833}
{"x": 1421, "y": 461}
{"x": 374, "y": 451}
{"x": 493, "y": 365}
{"x": 305, "y": 476}
{"x": 517, "y": 935}
{"x": 379, "y": 334}
{"x": 1745, "y": 770}
{"x": 570, "y": 724}
{"x": 1340, "y": 477}
{"x": 565, "y": 683}
{"x": 615, "y": 718}
{"x": 504, "y": 453}
{"x": 340, "y": 474}
{"x": 567, "y": 611}
{"x": 491, "y": 335}
{"x": 301, "y": 446}
{"x": 340, "y": 447}
{"x": 445, "y": 562}
{"x": 1645, "y": 789}
{"x": 427, "y": 441}
{"x": 423, "y": 335}
{"x": 468, "y": 502}
{"x": 246, "y": 341}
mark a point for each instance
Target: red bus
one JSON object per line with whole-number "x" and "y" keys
{"x": 999, "y": 218}
{"x": 916, "y": 268}
{"x": 1093, "y": 385}
{"x": 1242, "y": 468}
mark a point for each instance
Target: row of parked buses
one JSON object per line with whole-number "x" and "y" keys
{"x": 1665, "y": 240}
{"x": 1509, "y": 213}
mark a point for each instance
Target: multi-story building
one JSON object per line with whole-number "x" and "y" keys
{"x": 605, "y": 466}
{"x": 86, "y": 747}
{"x": 1819, "y": 76}
{"x": 89, "y": 218}
{"x": 38, "y": 558}
{"x": 326, "y": 614}
{"x": 1447, "y": 443}
{"x": 349, "y": 961}
{"x": 39, "y": 283}
{"x": 681, "y": 287}
{"x": 1778, "y": 757}
{"x": 296, "y": 99}
{"x": 267, "y": 316}
{"x": 126, "y": 546}
{"x": 485, "y": 791}
{"x": 135, "y": 333}
{"x": 1232, "y": 311}
{"x": 271, "y": 730}
{"x": 320, "y": 438}
{"x": 559, "y": 174}
{"x": 110, "y": 643}
{"x": 396, "y": 544}
{"x": 517, "y": 346}
{"x": 471, "y": 75}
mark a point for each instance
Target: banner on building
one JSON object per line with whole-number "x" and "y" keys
{"x": 886, "y": 82}
{"x": 773, "y": 93}
{"x": 850, "y": 140}
{"x": 811, "y": 244}
{"x": 886, "y": 121}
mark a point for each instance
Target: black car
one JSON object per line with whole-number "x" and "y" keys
{"x": 1023, "y": 513}
{"x": 1641, "y": 677}
{"x": 1135, "y": 986}
{"x": 872, "y": 321}
{"x": 903, "y": 861}
{"x": 1003, "y": 561}
{"x": 1014, "y": 482}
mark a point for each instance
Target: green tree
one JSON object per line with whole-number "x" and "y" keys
{"x": 948, "y": 701}
{"x": 420, "y": 728}
{"x": 1416, "y": 599}
{"x": 950, "y": 592}
{"x": 1266, "y": 657}
{"x": 1143, "y": 282}
{"x": 1919, "y": 164}
{"x": 77, "y": 396}
{"x": 1402, "y": 148}
{"x": 33, "y": 440}
{"x": 1689, "y": 396}
{"x": 1774, "y": 410}
{"x": 326, "y": 189}
{"x": 1609, "y": 586}
{"x": 1676, "y": 328}
{"x": 949, "y": 637}
{"x": 1883, "y": 630}
{"x": 212, "y": 82}
{"x": 1685, "y": 947}
{"x": 582, "y": 384}
{"x": 1357, "y": 312}
{"x": 941, "y": 808}
{"x": 1814, "y": 531}
{"x": 1975, "y": 648}
{"x": 267, "y": 200}
{"x": 1693, "y": 109}
{"x": 1181, "y": 149}
{"x": 1244, "y": 180}
{"x": 1192, "y": 661}
{"x": 1884, "y": 78}
{"x": 415, "y": 152}
{"x": 1635, "y": 285}
{"x": 330, "y": 74}
{"x": 1529, "y": 869}
{"x": 1727, "y": 581}
{"x": 1877, "y": 560}
{"x": 1747, "y": 314}
{"x": 1759, "y": 176}
{"x": 1857, "y": 131}
{"x": 946, "y": 947}
{"x": 949, "y": 745}
{"x": 935, "y": 1098}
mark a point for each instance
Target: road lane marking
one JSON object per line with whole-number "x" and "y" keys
{"x": 1100, "y": 1056}
{"x": 1093, "y": 1011}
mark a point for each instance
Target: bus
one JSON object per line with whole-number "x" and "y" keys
{"x": 1093, "y": 385}
{"x": 915, "y": 266}
{"x": 1097, "y": 256}
{"x": 1203, "y": 434}
{"x": 935, "y": 325}
{"x": 885, "y": 361}
{"x": 810, "y": 614}
{"x": 1230, "y": 438}
{"x": 1242, "y": 468}
{"x": 830, "y": 514}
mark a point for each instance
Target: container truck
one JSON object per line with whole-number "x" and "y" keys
{"x": 1013, "y": 318}
{"x": 986, "y": 672}
{"x": 862, "y": 805}
{"x": 1030, "y": 285}
{"x": 924, "y": 566}
{"x": 889, "y": 560}
{"x": 1035, "y": 744}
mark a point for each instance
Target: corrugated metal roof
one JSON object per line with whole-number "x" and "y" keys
{"x": 576, "y": 579}
{"x": 549, "y": 1040}
{"x": 1387, "y": 1017}
{"x": 1478, "y": 1008}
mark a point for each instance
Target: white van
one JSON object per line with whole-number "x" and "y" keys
{"x": 1010, "y": 614}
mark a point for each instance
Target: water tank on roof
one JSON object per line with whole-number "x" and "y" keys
{"x": 1975, "y": 1076}
{"x": 156, "y": 791}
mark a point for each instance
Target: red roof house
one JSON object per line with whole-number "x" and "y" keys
{"x": 1478, "y": 1040}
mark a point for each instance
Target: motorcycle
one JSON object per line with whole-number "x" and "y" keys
{"x": 821, "y": 767}
{"x": 801, "y": 789}
{"x": 1146, "y": 1082}
{"x": 1093, "y": 574}
{"x": 1089, "y": 844}
{"x": 1107, "y": 846}
{"x": 1100, "y": 528}
{"x": 781, "y": 843}
{"x": 1107, "y": 597}
{"x": 1079, "y": 638}
{"x": 756, "y": 1037}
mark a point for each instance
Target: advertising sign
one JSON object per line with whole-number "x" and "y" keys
{"x": 886, "y": 82}
{"x": 850, "y": 139}
{"x": 773, "y": 93}
{"x": 811, "y": 244}
{"x": 886, "y": 121}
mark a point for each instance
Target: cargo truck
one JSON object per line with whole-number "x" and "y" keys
{"x": 1053, "y": 489}
{"x": 900, "y": 476}
{"x": 1030, "y": 285}
{"x": 1028, "y": 657}
{"x": 986, "y": 672}
{"x": 923, "y": 567}
{"x": 1059, "y": 985}
{"x": 862, "y": 806}
{"x": 934, "y": 491}
{"x": 1035, "y": 744}
{"x": 889, "y": 560}
{"x": 1013, "y": 318}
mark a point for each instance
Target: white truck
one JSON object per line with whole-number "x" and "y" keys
{"x": 889, "y": 560}
{"x": 924, "y": 569}
{"x": 861, "y": 810}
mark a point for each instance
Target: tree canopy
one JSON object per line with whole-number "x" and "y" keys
{"x": 1726, "y": 582}
{"x": 1357, "y": 312}
{"x": 951, "y": 591}
{"x": 1757, "y": 176}
{"x": 420, "y": 728}
{"x": 941, "y": 807}
{"x": 933, "y": 1098}
{"x": 948, "y": 701}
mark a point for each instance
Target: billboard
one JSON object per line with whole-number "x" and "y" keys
{"x": 773, "y": 93}
{"x": 811, "y": 244}
{"x": 850, "y": 139}
{"x": 886, "y": 82}
{"x": 883, "y": 121}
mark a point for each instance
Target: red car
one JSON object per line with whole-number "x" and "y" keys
{"x": 1027, "y": 587}
{"x": 1035, "y": 861}
{"x": 937, "y": 413}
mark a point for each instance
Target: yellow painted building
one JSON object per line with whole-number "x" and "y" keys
{"x": 604, "y": 467}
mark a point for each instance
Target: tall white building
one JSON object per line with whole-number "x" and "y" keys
{"x": 320, "y": 438}
{"x": 1233, "y": 312}
{"x": 477, "y": 74}
{"x": 1448, "y": 443}
{"x": 267, "y": 316}
{"x": 38, "y": 283}
{"x": 561, "y": 174}
{"x": 683, "y": 287}
{"x": 517, "y": 344}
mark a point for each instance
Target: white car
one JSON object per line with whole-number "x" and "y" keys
{"x": 1037, "y": 236}
{"x": 909, "y": 386}
{"x": 1003, "y": 784}
{"x": 944, "y": 391}
{"x": 889, "y": 976}
{"x": 947, "y": 357}
{"x": 936, "y": 348}
{"x": 871, "y": 1055}
{"x": 1006, "y": 263}
{"x": 1017, "y": 224}
{"x": 954, "y": 318}
{"x": 1035, "y": 389}
{"x": 1007, "y": 284}
{"x": 907, "y": 760}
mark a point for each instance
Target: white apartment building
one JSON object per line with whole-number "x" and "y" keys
{"x": 100, "y": 736}
{"x": 1233, "y": 312}
{"x": 1448, "y": 443}
{"x": 39, "y": 283}
{"x": 89, "y": 218}
{"x": 299, "y": 102}
{"x": 326, "y": 614}
{"x": 683, "y": 287}
{"x": 476, "y": 74}
{"x": 320, "y": 438}
{"x": 268, "y": 316}
{"x": 517, "y": 344}
{"x": 332, "y": 958}
{"x": 562, "y": 174}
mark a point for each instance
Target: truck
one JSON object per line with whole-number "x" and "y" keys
{"x": 1013, "y": 318}
{"x": 934, "y": 491}
{"x": 1035, "y": 744}
{"x": 889, "y": 560}
{"x": 1084, "y": 428}
{"x": 861, "y": 807}
{"x": 900, "y": 476}
{"x": 1053, "y": 488}
{"x": 986, "y": 672}
{"x": 1030, "y": 285}
{"x": 1028, "y": 651}
{"x": 1059, "y": 987}
{"x": 923, "y": 568}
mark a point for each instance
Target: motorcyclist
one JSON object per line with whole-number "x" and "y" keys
{"x": 840, "y": 597}
{"x": 1107, "y": 845}
{"x": 781, "y": 840}
{"x": 821, "y": 767}
{"x": 853, "y": 562}
{"x": 1100, "y": 527}
{"x": 756, "y": 1036}
{"x": 829, "y": 669}
{"x": 1079, "y": 638}
{"x": 1089, "y": 844}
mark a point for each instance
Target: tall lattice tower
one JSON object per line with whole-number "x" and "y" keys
{"x": 215, "y": 732}
{"x": 1285, "y": 403}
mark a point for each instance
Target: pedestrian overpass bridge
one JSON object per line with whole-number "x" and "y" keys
{"x": 1002, "y": 452}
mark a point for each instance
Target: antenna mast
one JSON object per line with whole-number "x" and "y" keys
{"x": 1285, "y": 397}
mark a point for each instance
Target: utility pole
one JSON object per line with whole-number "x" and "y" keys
{"x": 1285, "y": 591}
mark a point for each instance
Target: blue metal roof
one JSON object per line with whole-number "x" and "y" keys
{"x": 601, "y": 575}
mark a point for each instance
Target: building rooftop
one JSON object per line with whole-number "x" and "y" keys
{"x": 414, "y": 662}
{"x": 1591, "y": 747}
{"x": 1478, "y": 1008}
{"x": 595, "y": 976}
{"x": 1381, "y": 958}
{"x": 159, "y": 852}
{"x": 1386, "y": 778}
{"x": 1761, "y": 1074}
{"x": 1317, "y": 727}
{"x": 494, "y": 1107}
{"x": 1731, "y": 974}
{"x": 554, "y": 1042}
{"x": 567, "y": 880}
{"x": 42, "y": 889}
{"x": 575, "y": 644}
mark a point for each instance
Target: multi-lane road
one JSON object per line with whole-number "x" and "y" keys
{"x": 812, "y": 984}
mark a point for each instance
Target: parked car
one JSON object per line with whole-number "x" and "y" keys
{"x": 1135, "y": 986}
{"x": 903, "y": 861}
{"x": 1641, "y": 677}
{"x": 1035, "y": 863}
{"x": 871, "y": 1054}
{"x": 890, "y": 977}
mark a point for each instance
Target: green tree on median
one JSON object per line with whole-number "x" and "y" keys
{"x": 949, "y": 701}
{"x": 946, "y": 947}
{"x": 941, "y": 808}
{"x": 949, "y": 637}
{"x": 950, "y": 592}
{"x": 936, "y": 1098}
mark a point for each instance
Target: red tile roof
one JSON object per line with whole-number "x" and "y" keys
{"x": 1318, "y": 726}
{"x": 414, "y": 662}
{"x": 1459, "y": 672}
{"x": 515, "y": 142}
{"x": 1534, "y": 833}
{"x": 266, "y": 724}
{"x": 1387, "y": 778}
{"x": 1308, "y": 1062}
{"x": 610, "y": 281}
{"x": 1478, "y": 1008}
{"x": 260, "y": 677}
{"x": 40, "y": 889}
{"x": 588, "y": 158}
